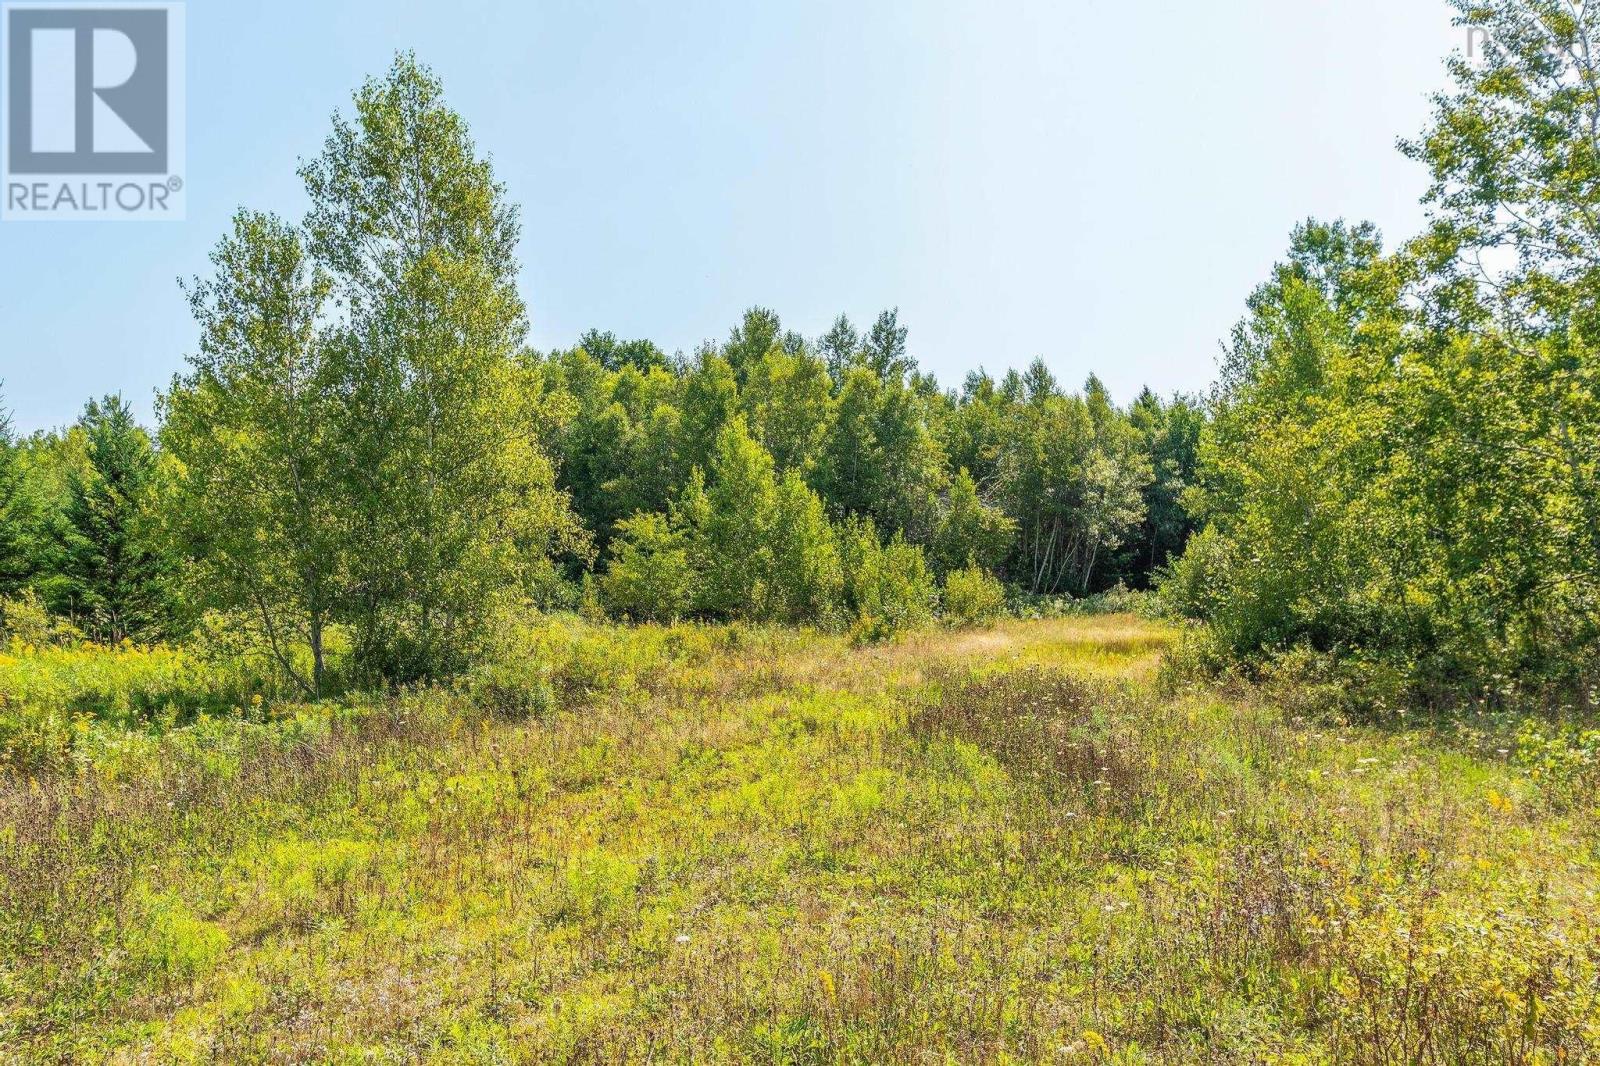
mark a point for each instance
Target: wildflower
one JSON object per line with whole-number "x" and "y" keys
{"x": 682, "y": 938}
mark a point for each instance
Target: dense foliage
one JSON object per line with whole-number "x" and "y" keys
{"x": 1397, "y": 473}
{"x": 364, "y": 444}
{"x": 1402, "y": 467}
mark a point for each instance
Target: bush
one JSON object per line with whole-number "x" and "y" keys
{"x": 973, "y": 596}
{"x": 167, "y": 938}
{"x": 1116, "y": 600}
{"x": 561, "y": 662}
{"x": 1564, "y": 764}
{"x": 25, "y": 623}
{"x": 804, "y": 579}
{"x": 890, "y": 586}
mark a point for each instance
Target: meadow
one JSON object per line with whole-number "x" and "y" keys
{"x": 1029, "y": 842}
{"x": 405, "y": 693}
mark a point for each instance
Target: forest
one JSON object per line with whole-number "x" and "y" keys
{"x": 405, "y": 693}
{"x": 365, "y": 453}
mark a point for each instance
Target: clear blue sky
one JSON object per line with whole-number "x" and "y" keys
{"x": 1100, "y": 184}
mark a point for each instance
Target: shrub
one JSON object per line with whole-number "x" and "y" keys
{"x": 558, "y": 662}
{"x": 970, "y": 531}
{"x": 890, "y": 586}
{"x": 51, "y": 695}
{"x": 167, "y": 939}
{"x": 24, "y": 622}
{"x": 972, "y": 596}
{"x": 805, "y": 579}
{"x": 1565, "y": 764}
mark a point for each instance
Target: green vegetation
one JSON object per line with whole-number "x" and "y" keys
{"x": 1401, "y": 474}
{"x": 411, "y": 695}
{"x": 711, "y": 844}
{"x": 363, "y": 449}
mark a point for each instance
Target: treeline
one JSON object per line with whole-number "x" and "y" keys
{"x": 1396, "y": 480}
{"x": 364, "y": 451}
{"x": 727, "y": 476}
{"x": 1401, "y": 475}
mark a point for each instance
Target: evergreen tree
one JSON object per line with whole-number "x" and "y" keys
{"x": 16, "y": 515}
{"x": 111, "y": 578}
{"x": 884, "y": 350}
{"x": 840, "y": 348}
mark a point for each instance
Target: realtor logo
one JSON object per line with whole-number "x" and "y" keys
{"x": 93, "y": 111}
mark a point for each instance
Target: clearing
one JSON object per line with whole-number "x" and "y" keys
{"x": 705, "y": 843}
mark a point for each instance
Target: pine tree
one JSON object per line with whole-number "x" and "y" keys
{"x": 110, "y": 576}
{"x": 16, "y": 515}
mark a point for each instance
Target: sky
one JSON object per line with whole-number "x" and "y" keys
{"x": 1098, "y": 184}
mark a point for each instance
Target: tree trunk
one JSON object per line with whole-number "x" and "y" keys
{"x": 316, "y": 657}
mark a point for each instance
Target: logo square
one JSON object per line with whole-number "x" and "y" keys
{"x": 92, "y": 111}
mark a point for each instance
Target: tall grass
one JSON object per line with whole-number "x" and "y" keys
{"x": 703, "y": 844}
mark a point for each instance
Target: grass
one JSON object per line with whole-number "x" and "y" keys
{"x": 691, "y": 844}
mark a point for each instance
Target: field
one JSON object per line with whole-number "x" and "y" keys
{"x": 1027, "y": 843}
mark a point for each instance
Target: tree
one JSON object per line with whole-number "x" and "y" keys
{"x": 1401, "y": 465}
{"x": 789, "y": 403}
{"x": 880, "y": 458}
{"x": 733, "y": 527}
{"x": 1170, "y": 432}
{"x": 257, "y": 503}
{"x": 888, "y": 586}
{"x": 884, "y": 349}
{"x": 618, "y": 451}
{"x": 805, "y": 581}
{"x": 840, "y": 348}
{"x": 970, "y": 531}
{"x": 110, "y": 575}
{"x": 710, "y": 402}
{"x": 759, "y": 333}
{"x": 1072, "y": 476}
{"x": 1510, "y": 290}
{"x": 16, "y": 516}
{"x": 452, "y": 495}
{"x": 975, "y": 430}
{"x": 1514, "y": 152}
{"x": 1295, "y": 470}
{"x": 852, "y": 473}
{"x": 650, "y": 577}
{"x": 614, "y": 354}
{"x": 1039, "y": 384}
